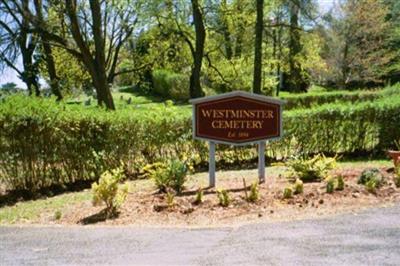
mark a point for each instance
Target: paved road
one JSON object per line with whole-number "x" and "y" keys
{"x": 369, "y": 238}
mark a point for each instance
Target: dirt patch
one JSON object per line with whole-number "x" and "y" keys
{"x": 146, "y": 207}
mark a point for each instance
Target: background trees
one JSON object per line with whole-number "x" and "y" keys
{"x": 185, "y": 49}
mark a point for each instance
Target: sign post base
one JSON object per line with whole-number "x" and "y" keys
{"x": 261, "y": 161}
{"x": 211, "y": 164}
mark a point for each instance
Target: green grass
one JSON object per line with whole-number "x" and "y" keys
{"x": 31, "y": 210}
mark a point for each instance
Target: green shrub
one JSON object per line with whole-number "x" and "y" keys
{"x": 371, "y": 174}
{"x": 298, "y": 186}
{"x": 309, "y": 100}
{"x": 340, "y": 183}
{"x": 287, "y": 193}
{"x": 223, "y": 197}
{"x": 44, "y": 144}
{"x": 371, "y": 186}
{"x": 57, "y": 215}
{"x": 170, "y": 199}
{"x": 330, "y": 185}
{"x": 311, "y": 170}
{"x": 172, "y": 175}
{"x": 254, "y": 193}
{"x": 170, "y": 84}
{"x": 397, "y": 176}
{"x": 109, "y": 192}
{"x": 199, "y": 197}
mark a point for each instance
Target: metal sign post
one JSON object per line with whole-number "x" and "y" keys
{"x": 211, "y": 164}
{"x": 261, "y": 161}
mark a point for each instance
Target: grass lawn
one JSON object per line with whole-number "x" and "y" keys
{"x": 35, "y": 210}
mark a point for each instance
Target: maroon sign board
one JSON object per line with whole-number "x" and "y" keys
{"x": 237, "y": 118}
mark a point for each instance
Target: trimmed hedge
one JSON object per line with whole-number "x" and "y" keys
{"x": 43, "y": 143}
{"x": 315, "y": 99}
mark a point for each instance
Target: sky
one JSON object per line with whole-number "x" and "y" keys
{"x": 9, "y": 75}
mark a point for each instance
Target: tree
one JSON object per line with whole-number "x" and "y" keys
{"x": 17, "y": 41}
{"x": 98, "y": 30}
{"x": 258, "y": 48}
{"x": 359, "y": 53}
{"x": 48, "y": 54}
{"x": 296, "y": 79}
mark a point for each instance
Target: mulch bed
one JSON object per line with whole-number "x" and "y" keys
{"x": 149, "y": 208}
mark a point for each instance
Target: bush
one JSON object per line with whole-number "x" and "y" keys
{"x": 309, "y": 100}
{"x": 330, "y": 185}
{"x": 373, "y": 175}
{"x": 310, "y": 170}
{"x": 298, "y": 187}
{"x": 223, "y": 197}
{"x": 170, "y": 84}
{"x": 44, "y": 144}
{"x": 340, "y": 183}
{"x": 171, "y": 175}
{"x": 287, "y": 193}
{"x": 109, "y": 192}
{"x": 371, "y": 186}
{"x": 254, "y": 193}
{"x": 397, "y": 176}
{"x": 199, "y": 196}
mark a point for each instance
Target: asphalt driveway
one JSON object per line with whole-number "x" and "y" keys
{"x": 369, "y": 238}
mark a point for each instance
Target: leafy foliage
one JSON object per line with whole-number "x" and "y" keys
{"x": 311, "y": 170}
{"x": 287, "y": 193}
{"x": 373, "y": 175}
{"x": 340, "y": 183}
{"x": 223, "y": 197}
{"x": 298, "y": 187}
{"x": 171, "y": 175}
{"x": 330, "y": 185}
{"x": 108, "y": 191}
{"x": 254, "y": 193}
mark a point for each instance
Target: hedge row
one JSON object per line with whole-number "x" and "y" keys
{"x": 312, "y": 100}
{"x": 44, "y": 144}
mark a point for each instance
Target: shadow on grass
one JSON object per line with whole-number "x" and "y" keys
{"x": 15, "y": 196}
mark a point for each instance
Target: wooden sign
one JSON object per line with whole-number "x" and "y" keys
{"x": 237, "y": 118}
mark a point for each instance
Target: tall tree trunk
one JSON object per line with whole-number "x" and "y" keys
{"x": 195, "y": 86}
{"x": 48, "y": 55}
{"x": 239, "y": 31}
{"x": 257, "y": 77}
{"x": 95, "y": 64}
{"x": 225, "y": 31}
{"x": 295, "y": 81}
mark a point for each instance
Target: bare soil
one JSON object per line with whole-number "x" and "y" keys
{"x": 146, "y": 207}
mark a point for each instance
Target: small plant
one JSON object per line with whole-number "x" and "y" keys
{"x": 57, "y": 215}
{"x": 371, "y": 186}
{"x": 199, "y": 196}
{"x": 170, "y": 199}
{"x": 223, "y": 197}
{"x": 287, "y": 193}
{"x": 298, "y": 186}
{"x": 397, "y": 176}
{"x": 371, "y": 174}
{"x": 172, "y": 175}
{"x": 108, "y": 191}
{"x": 254, "y": 193}
{"x": 330, "y": 185}
{"x": 310, "y": 170}
{"x": 340, "y": 183}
